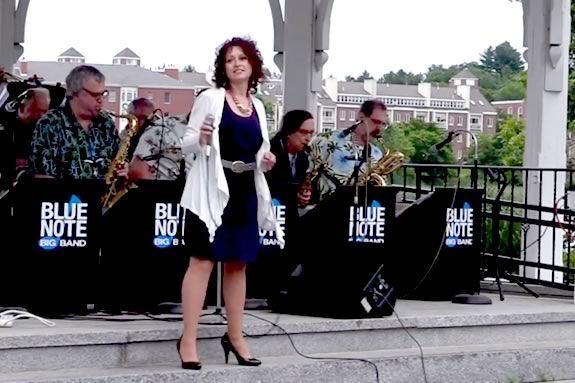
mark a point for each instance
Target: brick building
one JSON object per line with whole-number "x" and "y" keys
{"x": 459, "y": 105}
{"x": 126, "y": 80}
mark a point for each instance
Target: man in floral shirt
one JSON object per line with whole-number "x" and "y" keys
{"x": 158, "y": 154}
{"x": 76, "y": 140}
{"x": 339, "y": 156}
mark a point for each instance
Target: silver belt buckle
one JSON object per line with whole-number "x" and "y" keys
{"x": 238, "y": 166}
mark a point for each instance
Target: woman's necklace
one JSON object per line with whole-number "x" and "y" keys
{"x": 244, "y": 110}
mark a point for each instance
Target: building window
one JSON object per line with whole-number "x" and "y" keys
{"x": 421, "y": 116}
{"x": 441, "y": 120}
{"x": 327, "y": 115}
{"x": 520, "y": 111}
{"x": 459, "y": 120}
{"x": 510, "y": 110}
{"x": 112, "y": 96}
{"x": 460, "y": 138}
{"x": 459, "y": 154}
{"x": 150, "y": 96}
{"x": 474, "y": 120}
{"x": 167, "y": 98}
{"x": 490, "y": 122}
{"x": 342, "y": 114}
{"x": 127, "y": 95}
{"x": 352, "y": 115}
{"x": 451, "y": 120}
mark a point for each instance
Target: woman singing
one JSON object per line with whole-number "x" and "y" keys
{"x": 227, "y": 190}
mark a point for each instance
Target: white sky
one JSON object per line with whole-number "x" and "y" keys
{"x": 377, "y": 35}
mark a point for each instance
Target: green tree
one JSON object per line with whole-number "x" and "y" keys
{"x": 506, "y": 146}
{"x": 512, "y": 132}
{"x": 513, "y": 90}
{"x": 394, "y": 139}
{"x": 490, "y": 147}
{"x": 364, "y": 76}
{"x": 488, "y": 59}
{"x": 401, "y": 77}
{"x": 505, "y": 56}
{"x": 268, "y": 104}
{"x": 419, "y": 138}
{"x": 189, "y": 68}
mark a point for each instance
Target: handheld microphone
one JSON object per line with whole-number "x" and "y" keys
{"x": 437, "y": 147}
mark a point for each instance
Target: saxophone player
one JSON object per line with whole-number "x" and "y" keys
{"x": 290, "y": 146}
{"x": 76, "y": 140}
{"x": 340, "y": 157}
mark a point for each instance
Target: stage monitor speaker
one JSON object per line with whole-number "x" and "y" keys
{"x": 330, "y": 294}
{"x": 348, "y": 277}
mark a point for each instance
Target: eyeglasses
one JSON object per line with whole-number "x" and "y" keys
{"x": 378, "y": 122}
{"x": 97, "y": 95}
{"x": 305, "y": 132}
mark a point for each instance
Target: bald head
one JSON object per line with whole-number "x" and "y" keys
{"x": 34, "y": 105}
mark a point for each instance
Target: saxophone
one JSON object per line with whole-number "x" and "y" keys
{"x": 307, "y": 184}
{"x": 118, "y": 186}
{"x": 387, "y": 164}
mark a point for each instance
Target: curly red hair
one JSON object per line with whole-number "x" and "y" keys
{"x": 251, "y": 50}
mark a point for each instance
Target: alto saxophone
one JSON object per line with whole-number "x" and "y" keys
{"x": 386, "y": 165}
{"x": 118, "y": 186}
{"x": 307, "y": 184}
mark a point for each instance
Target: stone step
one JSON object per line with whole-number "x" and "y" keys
{"x": 29, "y": 346}
{"x": 512, "y": 362}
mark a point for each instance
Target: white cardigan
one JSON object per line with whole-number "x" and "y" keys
{"x": 206, "y": 192}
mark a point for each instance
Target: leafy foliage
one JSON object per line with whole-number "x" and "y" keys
{"x": 415, "y": 140}
{"x": 505, "y": 148}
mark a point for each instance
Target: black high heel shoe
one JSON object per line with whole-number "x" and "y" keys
{"x": 187, "y": 365}
{"x": 228, "y": 346}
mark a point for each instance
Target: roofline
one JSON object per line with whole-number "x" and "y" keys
{"x": 112, "y": 85}
{"x": 507, "y": 102}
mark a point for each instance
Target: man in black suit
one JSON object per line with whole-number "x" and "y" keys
{"x": 289, "y": 145}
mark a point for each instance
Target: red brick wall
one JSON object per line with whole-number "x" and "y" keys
{"x": 489, "y": 123}
{"x": 397, "y": 116}
{"x": 347, "y": 112}
{"x": 181, "y": 100}
{"x": 458, "y": 121}
{"x": 515, "y": 109}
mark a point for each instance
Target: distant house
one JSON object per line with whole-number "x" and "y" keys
{"x": 458, "y": 105}
{"x": 513, "y": 108}
{"x": 71, "y": 55}
{"x": 126, "y": 80}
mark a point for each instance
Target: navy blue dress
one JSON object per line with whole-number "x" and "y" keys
{"x": 237, "y": 239}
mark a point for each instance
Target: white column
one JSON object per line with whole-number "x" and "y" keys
{"x": 301, "y": 37}
{"x": 547, "y": 27}
{"x": 12, "y": 22}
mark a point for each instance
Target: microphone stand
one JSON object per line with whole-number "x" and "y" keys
{"x": 474, "y": 299}
{"x": 475, "y": 169}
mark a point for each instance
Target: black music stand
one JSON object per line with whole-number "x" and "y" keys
{"x": 494, "y": 267}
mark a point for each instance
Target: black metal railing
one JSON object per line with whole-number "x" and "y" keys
{"x": 528, "y": 217}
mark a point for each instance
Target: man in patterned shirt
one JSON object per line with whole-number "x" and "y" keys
{"x": 76, "y": 141}
{"x": 158, "y": 152}
{"x": 340, "y": 156}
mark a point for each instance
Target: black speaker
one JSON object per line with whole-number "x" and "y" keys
{"x": 336, "y": 257}
{"x": 439, "y": 238}
{"x": 330, "y": 294}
